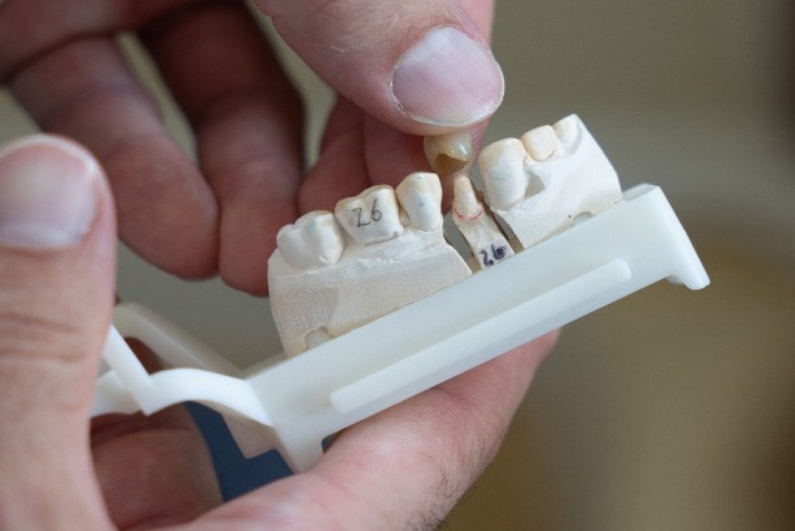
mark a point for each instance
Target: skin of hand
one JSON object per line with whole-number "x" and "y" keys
{"x": 400, "y": 470}
{"x": 401, "y": 70}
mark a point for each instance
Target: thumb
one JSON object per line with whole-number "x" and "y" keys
{"x": 421, "y": 66}
{"x": 57, "y": 263}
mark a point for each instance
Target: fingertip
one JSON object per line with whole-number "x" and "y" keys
{"x": 189, "y": 253}
{"x": 448, "y": 79}
{"x": 251, "y": 216}
{"x": 50, "y": 193}
{"x": 240, "y": 271}
{"x": 167, "y": 212}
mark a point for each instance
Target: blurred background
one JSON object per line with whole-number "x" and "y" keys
{"x": 670, "y": 409}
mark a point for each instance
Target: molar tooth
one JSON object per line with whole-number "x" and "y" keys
{"x": 568, "y": 130}
{"x": 313, "y": 241}
{"x": 449, "y": 153}
{"x": 420, "y": 195}
{"x": 502, "y": 168}
{"x": 372, "y": 216}
{"x": 541, "y": 143}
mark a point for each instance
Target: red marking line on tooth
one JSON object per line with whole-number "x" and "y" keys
{"x": 476, "y": 217}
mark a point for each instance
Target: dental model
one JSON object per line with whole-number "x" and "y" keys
{"x": 378, "y": 252}
{"x": 384, "y": 248}
{"x": 381, "y": 308}
{"x": 543, "y": 183}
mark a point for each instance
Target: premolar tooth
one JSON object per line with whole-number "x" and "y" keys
{"x": 502, "y": 167}
{"x": 568, "y": 131}
{"x": 541, "y": 143}
{"x": 370, "y": 217}
{"x": 449, "y": 153}
{"x": 313, "y": 241}
{"x": 420, "y": 195}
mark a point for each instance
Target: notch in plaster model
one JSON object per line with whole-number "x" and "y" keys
{"x": 381, "y": 308}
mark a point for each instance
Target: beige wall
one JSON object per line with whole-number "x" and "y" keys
{"x": 669, "y": 410}
{"x": 669, "y": 54}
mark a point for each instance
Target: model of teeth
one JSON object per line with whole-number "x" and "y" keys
{"x": 323, "y": 284}
{"x": 385, "y": 248}
{"x": 370, "y": 217}
{"x": 313, "y": 241}
{"x": 541, "y": 184}
{"x": 420, "y": 196}
{"x": 486, "y": 241}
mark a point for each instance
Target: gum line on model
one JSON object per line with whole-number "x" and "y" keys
{"x": 373, "y": 305}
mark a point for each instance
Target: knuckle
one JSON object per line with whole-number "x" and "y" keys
{"x": 30, "y": 335}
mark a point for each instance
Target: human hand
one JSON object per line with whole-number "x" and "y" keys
{"x": 401, "y": 469}
{"x": 401, "y": 69}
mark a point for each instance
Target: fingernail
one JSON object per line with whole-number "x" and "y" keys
{"x": 448, "y": 79}
{"x": 48, "y": 193}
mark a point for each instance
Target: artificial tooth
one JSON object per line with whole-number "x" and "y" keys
{"x": 313, "y": 241}
{"x": 568, "y": 131}
{"x": 420, "y": 195}
{"x": 371, "y": 217}
{"x": 541, "y": 143}
{"x": 449, "y": 153}
{"x": 502, "y": 168}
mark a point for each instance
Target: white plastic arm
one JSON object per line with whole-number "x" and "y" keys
{"x": 127, "y": 387}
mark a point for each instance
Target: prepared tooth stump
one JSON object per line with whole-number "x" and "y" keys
{"x": 487, "y": 242}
